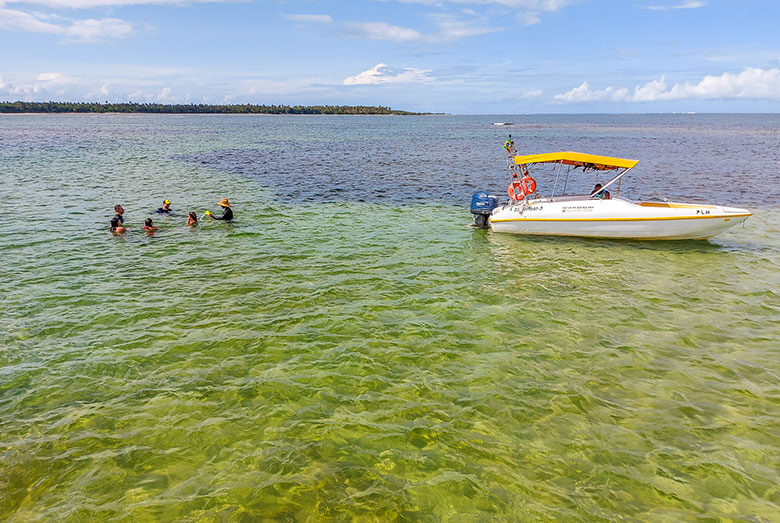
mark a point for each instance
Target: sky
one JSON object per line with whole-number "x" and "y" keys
{"x": 451, "y": 56}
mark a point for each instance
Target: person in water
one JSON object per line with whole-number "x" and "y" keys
{"x": 116, "y": 226}
{"x": 192, "y": 218}
{"x": 117, "y": 222}
{"x": 165, "y": 209}
{"x": 227, "y": 212}
{"x": 149, "y": 226}
{"x": 119, "y": 211}
{"x": 598, "y": 193}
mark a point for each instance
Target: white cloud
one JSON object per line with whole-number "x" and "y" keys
{"x": 165, "y": 96}
{"x": 74, "y": 30}
{"x": 104, "y": 92}
{"x": 55, "y": 78}
{"x": 87, "y": 31}
{"x": 84, "y": 31}
{"x": 45, "y": 85}
{"x": 320, "y": 19}
{"x": 449, "y": 29}
{"x": 528, "y": 17}
{"x": 583, "y": 93}
{"x": 8, "y": 91}
{"x": 120, "y": 82}
{"x": 686, "y": 5}
{"x": 85, "y": 4}
{"x": 538, "y": 5}
{"x": 751, "y": 83}
{"x": 384, "y": 74}
{"x": 381, "y": 31}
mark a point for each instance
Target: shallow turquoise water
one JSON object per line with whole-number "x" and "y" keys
{"x": 334, "y": 358}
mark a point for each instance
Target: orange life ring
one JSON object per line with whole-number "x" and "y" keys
{"x": 515, "y": 191}
{"x": 528, "y": 184}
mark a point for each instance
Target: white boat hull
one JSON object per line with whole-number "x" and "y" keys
{"x": 615, "y": 218}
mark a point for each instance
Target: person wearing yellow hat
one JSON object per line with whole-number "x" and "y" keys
{"x": 165, "y": 209}
{"x": 227, "y": 212}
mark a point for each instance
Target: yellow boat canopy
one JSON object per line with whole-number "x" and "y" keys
{"x": 586, "y": 161}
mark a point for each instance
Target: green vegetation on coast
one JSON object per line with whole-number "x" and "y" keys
{"x": 129, "y": 107}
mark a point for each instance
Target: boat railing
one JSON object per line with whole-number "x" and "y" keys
{"x": 565, "y": 198}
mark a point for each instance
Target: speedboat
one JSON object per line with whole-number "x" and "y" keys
{"x": 595, "y": 214}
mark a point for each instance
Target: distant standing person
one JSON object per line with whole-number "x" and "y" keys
{"x": 165, "y": 209}
{"x": 227, "y": 212}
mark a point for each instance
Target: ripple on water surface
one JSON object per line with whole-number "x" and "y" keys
{"x": 329, "y": 357}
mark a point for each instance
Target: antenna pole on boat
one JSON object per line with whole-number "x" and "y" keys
{"x": 511, "y": 151}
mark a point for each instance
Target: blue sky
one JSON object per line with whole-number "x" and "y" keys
{"x": 454, "y": 56}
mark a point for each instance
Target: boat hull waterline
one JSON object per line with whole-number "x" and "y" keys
{"x": 615, "y": 218}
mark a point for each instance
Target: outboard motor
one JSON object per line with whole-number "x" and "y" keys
{"x": 482, "y": 205}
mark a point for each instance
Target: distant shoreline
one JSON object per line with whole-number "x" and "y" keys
{"x": 88, "y": 107}
{"x": 109, "y": 113}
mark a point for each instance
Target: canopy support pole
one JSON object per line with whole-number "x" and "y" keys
{"x": 557, "y": 175}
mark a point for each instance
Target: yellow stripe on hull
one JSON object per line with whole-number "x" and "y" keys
{"x": 648, "y": 218}
{"x": 672, "y": 205}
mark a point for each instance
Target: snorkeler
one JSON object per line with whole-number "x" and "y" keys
{"x": 227, "y": 212}
{"x": 165, "y": 209}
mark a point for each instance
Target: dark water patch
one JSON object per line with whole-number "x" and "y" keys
{"x": 353, "y": 170}
{"x": 448, "y": 159}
